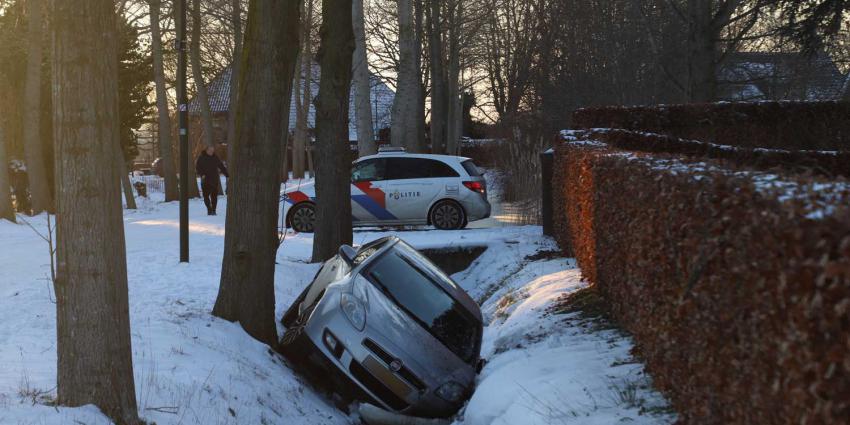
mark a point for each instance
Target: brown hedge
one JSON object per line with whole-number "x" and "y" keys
{"x": 780, "y": 125}
{"x": 738, "y": 295}
{"x": 830, "y": 164}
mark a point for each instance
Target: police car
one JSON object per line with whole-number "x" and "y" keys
{"x": 399, "y": 188}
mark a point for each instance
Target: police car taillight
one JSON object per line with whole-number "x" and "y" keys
{"x": 476, "y": 187}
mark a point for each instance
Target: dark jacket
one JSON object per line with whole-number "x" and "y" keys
{"x": 208, "y": 166}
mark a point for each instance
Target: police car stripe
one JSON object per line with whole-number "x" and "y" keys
{"x": 374, "y": 193}
{"x": 372, "y": 207}
{"x": 296, "y": 197}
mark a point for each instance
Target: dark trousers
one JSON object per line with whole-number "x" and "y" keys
{"x": 209, "y": 187}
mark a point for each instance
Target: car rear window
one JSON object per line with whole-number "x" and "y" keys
{"x": 427, "y": 303}
{"x": 471, "y": 168}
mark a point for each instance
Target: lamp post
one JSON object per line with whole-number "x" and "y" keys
{"x": 183, "y": 128}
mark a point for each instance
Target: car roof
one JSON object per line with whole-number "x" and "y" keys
{"x": 449, "y": 158}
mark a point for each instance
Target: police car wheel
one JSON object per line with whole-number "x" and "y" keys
{"x": 447, "y": 215}
{"x": 302, "y": 218}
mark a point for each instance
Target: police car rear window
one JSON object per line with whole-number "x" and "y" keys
{"x": 471, "y": 168}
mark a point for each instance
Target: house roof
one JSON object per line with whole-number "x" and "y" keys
{"x": 381, "y": 98}
{"x": 780, "y": 76}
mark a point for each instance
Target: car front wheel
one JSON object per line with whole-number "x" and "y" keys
{"x": 447, "y": 215}
{"x": 302, "y": 218}
{"x": 294, "y": 342}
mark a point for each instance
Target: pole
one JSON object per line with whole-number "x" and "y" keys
{"x": 183, "y": 123}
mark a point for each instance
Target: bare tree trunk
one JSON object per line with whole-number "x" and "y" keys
{"x": 300, "y": 122}
{"x": 198, "y": 76}
{"x": 421, "y": 78}
{"x": 702, "y": 63}
{"x": 285, "y": 136}
{"x": 166, "y": 153}
{"x": 95, "y": 357}
{"x": 201, "y": 87}
{"x": 438, "y": 80}
{"x": 362, "y": 87}
{"x": 246, "y": 293}
{"x": 235, "y": 66}
{"x": 6, "y": 210}
{"x": 303, "y": 93}
{"x": 454, "y": 104}
{"x": 284, "y": 159}
{"x": 124, "y": 174}
{"x": 33, "y": 143}
{"x": 310, "y": 169}
{"x": 405, "y": 105}
{"x": 333, "y": 169}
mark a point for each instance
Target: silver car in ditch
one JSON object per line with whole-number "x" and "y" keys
{"x": 386, "y": 323}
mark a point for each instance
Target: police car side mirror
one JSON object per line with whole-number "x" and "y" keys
{"x": 347, "y": 253}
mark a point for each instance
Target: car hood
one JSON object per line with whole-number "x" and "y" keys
{"x": 407, "y": 340}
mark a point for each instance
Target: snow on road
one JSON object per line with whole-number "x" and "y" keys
{"x": 192, "y": 368}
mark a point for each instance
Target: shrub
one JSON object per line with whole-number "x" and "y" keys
{"x": 735, "y": 283}
{"x": 781, "y": 125}
{"x": 830, "y": 164}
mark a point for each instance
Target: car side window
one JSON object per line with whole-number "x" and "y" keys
{"x": 441, "y": 169}
{"x": 417, "y": 168}
{"x": 369, "y": 171}
{"x": 406, "y": 168}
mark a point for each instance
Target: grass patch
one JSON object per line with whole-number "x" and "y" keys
{"x": 588, "y": 305}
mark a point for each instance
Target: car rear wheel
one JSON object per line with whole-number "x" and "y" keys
{"x": 448, "y": 215}
{"x": 302, "y": 218}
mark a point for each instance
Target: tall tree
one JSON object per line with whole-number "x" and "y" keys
{"x": 710, "y": 35}
{"x": 166, "y": 152}
{"x": 33, "y": 143}
{"x": 405, "y": 106}
{"x": 362, "y": 89}
{"x": 124, "y": 175}
{"x": 135, "y": 73}
{"x": 246, "y": 292}
{"x": 813, "y": 23}
{"x": 303, "y": 91}
{"x": 235, "y": 66}
{"x": 422, "y": 76}
{"x": 333, "y": 170}
{"x": 198, "y": 76}
{"x": 438, "y": 78}
{"x": 454, "y": 125}
{"x": 95, "y": 358}
{"x": 6, "y": 210}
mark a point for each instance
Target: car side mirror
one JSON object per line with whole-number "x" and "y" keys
{"x": 347, "y": 253}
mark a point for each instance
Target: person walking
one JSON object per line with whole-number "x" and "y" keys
{"x": 208, "y": 166}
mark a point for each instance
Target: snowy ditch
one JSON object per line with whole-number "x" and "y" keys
{"x": 191, "y": 368}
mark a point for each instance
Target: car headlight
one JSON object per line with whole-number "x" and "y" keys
{"x": 451, "y": 391}
{"x": 355, "y": 303}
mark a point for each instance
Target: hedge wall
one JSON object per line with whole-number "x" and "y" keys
{"x": 825, "y": 163}
{"x": 782, "y": 125}
{"x": 735, "y": 284}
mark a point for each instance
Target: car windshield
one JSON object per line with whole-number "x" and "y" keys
{"x": 422, "y": 298}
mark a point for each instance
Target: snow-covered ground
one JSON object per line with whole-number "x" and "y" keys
{"x": 192, "y": 368}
